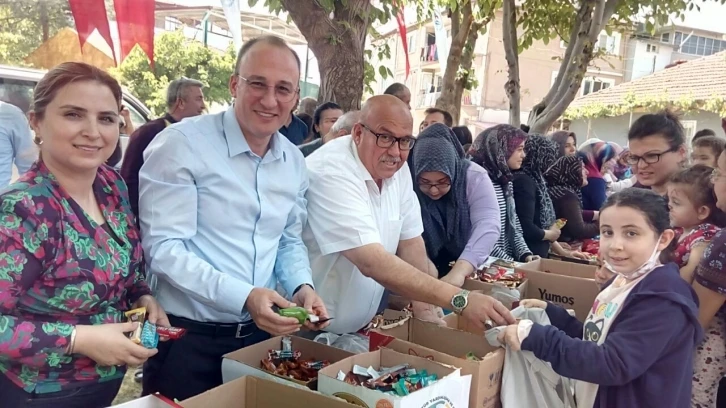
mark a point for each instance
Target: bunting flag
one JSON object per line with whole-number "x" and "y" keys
{"x": 234, "y": 21}
{"x": 400, "y": 18}
{"x": 135, "y": 20}
{"x": 442, "y": 42}
{"x": 90, "y": 15}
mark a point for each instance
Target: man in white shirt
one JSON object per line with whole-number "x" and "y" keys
{"x": 364, "y": 226}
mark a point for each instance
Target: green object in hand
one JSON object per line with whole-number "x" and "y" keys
{"x": 297, "y": 312}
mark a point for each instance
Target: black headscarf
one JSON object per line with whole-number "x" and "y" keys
{"x": 541, "y": 154}
{"x": 491, "y": 150}
{"x": 446, "y": 221}
{"x": 565, "y": 176}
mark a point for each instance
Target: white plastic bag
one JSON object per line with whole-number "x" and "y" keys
{"x": 353, "y": 342}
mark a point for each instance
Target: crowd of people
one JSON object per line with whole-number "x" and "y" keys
{"x": 216, "y": 220}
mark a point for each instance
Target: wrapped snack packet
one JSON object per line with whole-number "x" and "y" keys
{"x": 173, "y": 333}
{"x": 136, "y": 315}
{"x": 149, "y": 335}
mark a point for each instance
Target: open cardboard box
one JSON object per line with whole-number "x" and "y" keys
{"x": 486, "y": 288}
{"x": 448, "y": 345}
{"x": 246, "y": 361}
{"x": 251, "y": 392}
{"x": 451, "y": 388}
{"x": 567, "y": 284}
{"x": 149, "y": 401}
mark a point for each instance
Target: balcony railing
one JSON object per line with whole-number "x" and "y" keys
{"x": 429, "y": 53}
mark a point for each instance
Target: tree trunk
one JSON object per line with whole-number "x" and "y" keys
{"x": 509, "y": 37}
{"x": 451, "y": 92}
{"x": 44, "y": 23}
{"x": 338, "y": 45}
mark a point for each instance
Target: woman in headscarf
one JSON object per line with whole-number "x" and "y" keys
{"x": 599, "y": 158}
{"x": 534, "y": 206}
{"x": 621, "y": 177}
{"x": 499, "y": 150}
{"x": 567, "y": 142}
{"x": 458, "y": 205}
{"x": 565, "y": 178}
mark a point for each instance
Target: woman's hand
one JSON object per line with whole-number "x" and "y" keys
{"x": 154, "y": 312}
{"x": 552, "y": 234}
{"x": 531, "y": 258}
{"x": 578, "y": 255}
{"x": 533, "y": 304}
{"x": 107, "y": 344}
{"x": 510, "y": 337}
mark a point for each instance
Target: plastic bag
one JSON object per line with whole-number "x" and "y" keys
{"x": 354, "y": 342}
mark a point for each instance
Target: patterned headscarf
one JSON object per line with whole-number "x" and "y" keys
{"x": 595, "y": 155}
{"x": 565, "y": 176}
{"x": 541, "y": 154}
{"x": 446, "y": 221}
{"x": 493, "y": 147}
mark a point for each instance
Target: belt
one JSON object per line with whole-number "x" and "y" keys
{"x": 236, "y": 330}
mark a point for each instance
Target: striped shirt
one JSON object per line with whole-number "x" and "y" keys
{"x": 509, "y": 247}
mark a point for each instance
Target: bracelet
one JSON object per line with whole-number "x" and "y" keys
{"x": 72, "y": 347}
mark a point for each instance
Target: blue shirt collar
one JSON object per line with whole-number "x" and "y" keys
{"x": 236, "y": 142}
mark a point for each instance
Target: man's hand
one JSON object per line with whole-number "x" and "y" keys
{"x": 510, "y": 338}
{"x": 482, "y": 308}
{"x": 259, "y": 304}
{"x": 309, "y": 299}
{"x": 154, "y": 311}
{"x": 428, "y": 313}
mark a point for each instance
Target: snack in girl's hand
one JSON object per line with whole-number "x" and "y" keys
{"x": 560, "y": 223}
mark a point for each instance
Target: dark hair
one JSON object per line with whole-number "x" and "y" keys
{"x": 702, "y": 133}
{"x": 652, "y": 205}
{"x": 395, "y": 89}
{"x": 715, "y": 143}
{"x": 665, "y": 123}
{"x": 448, "y": 119}
{"x": 267, "y": 39}
{"x": 307, "y": 119}
{"x": 463, "y": 134}
{"x": 525, "y": 128}
{"x": 65, "y": 74}
{"x": 697, "y": 181}
{"x": 319, "y": 112}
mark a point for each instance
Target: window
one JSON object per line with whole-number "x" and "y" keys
{"x": 411, "y": 42}
{"x": 666, "y": 38}
{"x": 689, "y": 129}
{"x": 592, "y": 84}
{"x": 609, "y": 43}
{"x": 697, "y": 45}
{"x": 651, "y": 48}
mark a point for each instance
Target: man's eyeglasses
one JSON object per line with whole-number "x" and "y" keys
{"x": 648, "y": 158}
{"x": 715, "y": 175}
{"x": 386, "y": 141}
{"x": 283, "y": 93}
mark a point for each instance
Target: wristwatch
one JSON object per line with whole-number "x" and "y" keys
{"x": 460, "y": 301}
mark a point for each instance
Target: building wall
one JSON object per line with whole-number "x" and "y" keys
{"x": 615, "y": 129}
{"x": 642, "y": 61}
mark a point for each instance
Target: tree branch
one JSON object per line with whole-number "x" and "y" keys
{"x": 509, "y": 37}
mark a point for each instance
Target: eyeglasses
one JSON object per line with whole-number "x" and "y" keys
{"x": 439, "y": 186}
{"x": 649, "y": 158}
{"x": 715, "y": 175}
{"x": 386, "y": 141}
{"x": 283, "y": 93}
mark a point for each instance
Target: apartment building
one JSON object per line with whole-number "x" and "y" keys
{"x": 487, "y": 105}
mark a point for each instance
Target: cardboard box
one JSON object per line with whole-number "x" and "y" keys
{"x": 149, "y": 401}
{"x": 475, "y": 284}
{"x": 449, "y": 346}
{"x": 450, "y": 390}
{"x": 246, "y": 361}
{"x": 251, "y": 392}
{"x": 569, "y": 285}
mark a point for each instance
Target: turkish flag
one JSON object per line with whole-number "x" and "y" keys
{"x": 135, "y": 20}
{"x": 400, "y": 19}
{"x": 90, "y": 15}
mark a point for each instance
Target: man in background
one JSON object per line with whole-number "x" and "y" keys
{"x": 308, "y": 105}
{"x": 436, "y": 115}
{"x": 401, "y": 92}
{"x": 184, "y": 99}
{"x": 16, "y": 144}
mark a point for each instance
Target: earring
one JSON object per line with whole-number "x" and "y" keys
{"x": 38, "y": 141}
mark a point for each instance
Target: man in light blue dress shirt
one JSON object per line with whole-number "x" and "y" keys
{"x": 16, "y": 143}
{"x": 221, "y": 207}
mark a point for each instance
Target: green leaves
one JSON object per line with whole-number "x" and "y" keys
{"x": 21, "y": 26}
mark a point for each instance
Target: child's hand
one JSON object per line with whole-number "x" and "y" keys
{"x": 533, "y": 304}
{"x": 510, "y": 338}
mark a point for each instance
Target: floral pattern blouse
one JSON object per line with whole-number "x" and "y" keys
{"x": 59, "y": 268}
{"x": 702, "y": 234}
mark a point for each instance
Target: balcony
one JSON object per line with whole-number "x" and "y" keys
{"x": 429, "y": 54}
{"x": 426, "y": 99}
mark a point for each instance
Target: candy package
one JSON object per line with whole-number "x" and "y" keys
{"x": 289, "y": 363}
{"x": 136, "y": 315}
{"x": 148, "y": 334}
{"x": 400, "y": 380}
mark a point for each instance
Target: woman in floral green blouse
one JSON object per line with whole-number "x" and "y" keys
{"x": 70, "y": 256}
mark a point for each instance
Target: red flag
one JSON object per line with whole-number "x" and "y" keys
{"x": 135, "y": 26}
{"x": 404, "y": 39}
{"x": 90, "y": 15}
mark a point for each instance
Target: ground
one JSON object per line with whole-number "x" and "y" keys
{"x": 129, "y": 389}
